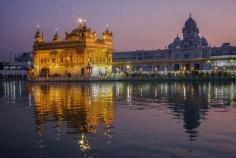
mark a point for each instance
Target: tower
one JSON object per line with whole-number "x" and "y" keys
{"x": 107, "y": 36}
{"x": 38, "y": 36}
{"x": 56, "y": 37}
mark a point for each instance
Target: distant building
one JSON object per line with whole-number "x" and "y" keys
{"x": 25, "y": 57}
{"x": 191, "y": 53}
{"x": 17, "y": 68}
{"x": 79, "y": 54}
{"x": 13, "y": 70}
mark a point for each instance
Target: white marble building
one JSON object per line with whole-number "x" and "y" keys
{"x": 189, "y": 53}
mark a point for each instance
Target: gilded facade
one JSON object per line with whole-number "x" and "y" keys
{"x": 81, "y": 53}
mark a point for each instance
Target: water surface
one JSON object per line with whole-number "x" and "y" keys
{"x": 97, "y": 120}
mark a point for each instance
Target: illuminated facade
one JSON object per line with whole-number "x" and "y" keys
{"x": 79, "y": 54}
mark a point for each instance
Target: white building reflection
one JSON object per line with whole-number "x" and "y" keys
{"x": 13, "y": 90}
{"x": 187, "y": 101}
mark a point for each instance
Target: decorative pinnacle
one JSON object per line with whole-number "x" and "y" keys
{"x": 80, "y": 20}
{"x": 107, "y": 26}
{"x": 38, "y": 28}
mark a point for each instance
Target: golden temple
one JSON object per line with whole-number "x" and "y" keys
{"x": 81, "y": 53}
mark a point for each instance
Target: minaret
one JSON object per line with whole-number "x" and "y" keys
{"x": 107, "y": 35}
{"x": 38, "y": 36}
{"x": 56, "y": 37}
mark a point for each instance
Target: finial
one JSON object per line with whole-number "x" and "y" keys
{"x": 80, "y": 20}
{"x": 190, "y": 15}
{"x": 38, "y": 28}
{"x": 107, "y": 26}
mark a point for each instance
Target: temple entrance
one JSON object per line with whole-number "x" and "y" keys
{"x": 89, "y": 70}
{"x": 82, "y": 71}
{"x": 44, "y": 72}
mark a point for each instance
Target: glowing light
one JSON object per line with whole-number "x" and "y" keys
{"x": 84, "y": 144}
{"x": 80, "y": 20}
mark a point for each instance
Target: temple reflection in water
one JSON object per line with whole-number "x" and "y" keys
{"x": 88, "y": 113}
{"x": 79, "y": 107}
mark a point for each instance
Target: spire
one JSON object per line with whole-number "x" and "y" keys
{"x": 107, "y": 35}
{"x": 38, "y": 28}
{"x": 107, "y": 27}
{"x": 38, "y": 35}
{"x": 56, "y": 31}
{"x": 107, "y": 32}
{"x": 56, "y": 36}
{"x": 190, "y": 15}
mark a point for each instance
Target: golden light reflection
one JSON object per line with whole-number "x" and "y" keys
{"x": 74, "y": 109}
{"x": 84, "y": 143}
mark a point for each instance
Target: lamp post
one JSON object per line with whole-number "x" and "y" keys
{"x": 209, "y": 64}
{"x": 128, "y": 68}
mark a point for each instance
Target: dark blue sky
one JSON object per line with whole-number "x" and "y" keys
{"x": 136, "y": 24}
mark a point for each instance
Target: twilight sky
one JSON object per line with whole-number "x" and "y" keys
{"x": 136, "y": 24}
